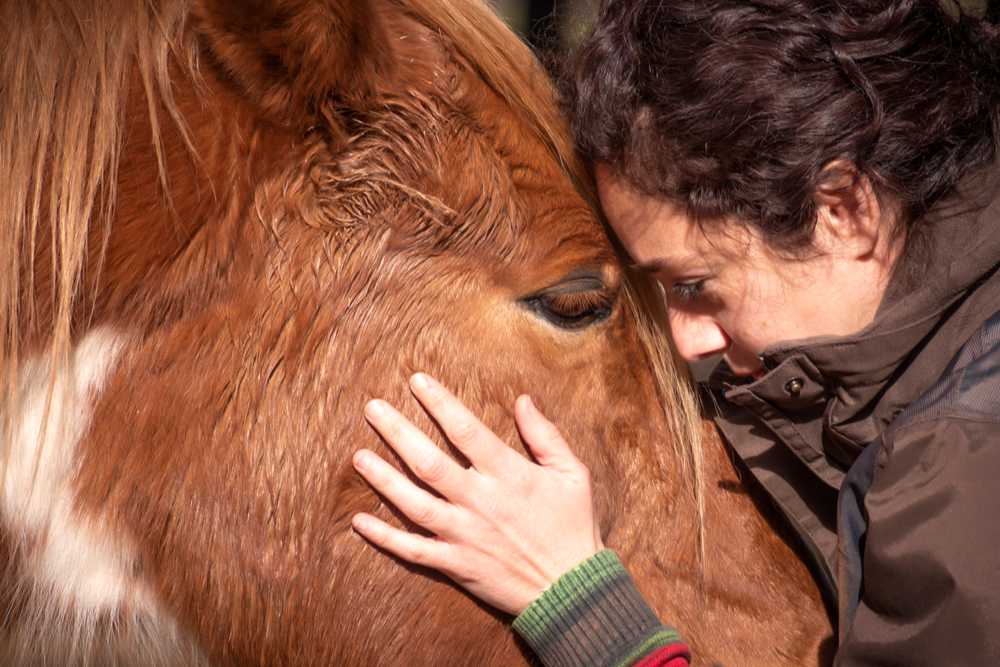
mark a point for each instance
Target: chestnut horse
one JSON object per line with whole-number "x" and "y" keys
{"x": 226, "y": 225}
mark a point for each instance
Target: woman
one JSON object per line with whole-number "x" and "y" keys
{"x": 814, "y": 184}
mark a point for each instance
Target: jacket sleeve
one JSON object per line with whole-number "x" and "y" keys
{"x": 931, "y": 586}
{"x": 594, "y": 616}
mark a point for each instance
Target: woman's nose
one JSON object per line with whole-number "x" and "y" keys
{"x": 697, "y": 337}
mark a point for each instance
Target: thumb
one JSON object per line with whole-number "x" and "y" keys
{"x": 543, "y": 438}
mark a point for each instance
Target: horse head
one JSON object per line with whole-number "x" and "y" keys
{"x": 230, "y": 224}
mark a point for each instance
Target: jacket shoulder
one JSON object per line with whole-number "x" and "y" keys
{"x": 930, "y": 579}
{"x": 968, "y": 389}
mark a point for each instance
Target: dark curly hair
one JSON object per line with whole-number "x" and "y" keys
{"x": 734, "y": 107}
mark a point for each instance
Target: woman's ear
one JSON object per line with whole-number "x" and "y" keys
{"x": 849, "y": 214}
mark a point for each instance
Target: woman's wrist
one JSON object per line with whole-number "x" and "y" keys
{"x": 593, "y": 616}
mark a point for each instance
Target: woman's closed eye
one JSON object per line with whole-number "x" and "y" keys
{"x": 688, "y": 291}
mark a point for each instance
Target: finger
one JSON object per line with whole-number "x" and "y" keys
{"x": 484, "y": 450}
{"x": 408, "y": 546}
{"x": 422, "y": 456}
{"x": 543, "y": 437}
{"x": 420, "y": 506}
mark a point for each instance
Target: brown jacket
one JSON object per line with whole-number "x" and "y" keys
{"x": 931, "y": 590}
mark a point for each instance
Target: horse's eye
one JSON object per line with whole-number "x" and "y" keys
{"x": 568, "y": 309}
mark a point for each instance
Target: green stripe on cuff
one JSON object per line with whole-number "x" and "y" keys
{"x": 596, "y": 572}
{"x": 593, "y": 616}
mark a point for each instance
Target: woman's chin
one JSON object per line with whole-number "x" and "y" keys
{"x": 755, "y": 373}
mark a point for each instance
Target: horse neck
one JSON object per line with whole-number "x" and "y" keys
{"x": 745, "y": 598}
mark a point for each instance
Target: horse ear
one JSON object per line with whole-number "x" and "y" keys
{"x": 287, "y": 55}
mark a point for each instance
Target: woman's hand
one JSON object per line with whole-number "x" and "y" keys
{"x": 505, "y": 528}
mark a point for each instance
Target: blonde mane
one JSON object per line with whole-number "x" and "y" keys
{"x": 65, "y": 77}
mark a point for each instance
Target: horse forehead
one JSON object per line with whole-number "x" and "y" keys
{"x": 470, "y": 165}
{"x": 492, "y": 154}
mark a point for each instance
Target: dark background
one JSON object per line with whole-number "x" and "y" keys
{"x": 548, "y": 24}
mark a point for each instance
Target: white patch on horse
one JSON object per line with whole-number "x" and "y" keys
{"x": 84, "y": 602}
{"x": 74, "y": 561}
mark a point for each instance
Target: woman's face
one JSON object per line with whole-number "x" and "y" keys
{"x": 728, "y": 294}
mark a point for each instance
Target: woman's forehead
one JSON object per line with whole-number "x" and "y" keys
{"x": 659, "y": 234}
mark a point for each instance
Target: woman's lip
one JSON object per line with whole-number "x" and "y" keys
{"x": 758, "y": 374}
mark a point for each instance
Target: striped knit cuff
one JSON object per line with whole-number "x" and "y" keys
{"x": 593, "y": 616}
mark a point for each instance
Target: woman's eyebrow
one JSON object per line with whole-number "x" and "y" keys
{"x": 661, "y": 264}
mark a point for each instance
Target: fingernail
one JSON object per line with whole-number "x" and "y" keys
{"x": 374, "y": 409}
{"x": 419, "y": 381}
{"x": 362, "y": 460}
{"x": 531, "y": 406}
{"x": 360, "y": 523}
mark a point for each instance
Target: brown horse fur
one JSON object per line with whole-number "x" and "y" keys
{"x": 226, "y": 225}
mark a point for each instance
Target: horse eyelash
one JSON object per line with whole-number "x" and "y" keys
{"x": 576, "y": 303}
{"x": 573, "y": 310}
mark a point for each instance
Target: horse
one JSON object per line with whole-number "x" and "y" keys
{"x": 226, "y": 226}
